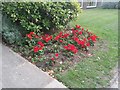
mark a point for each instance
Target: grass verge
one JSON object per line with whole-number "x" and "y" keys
{"x": 95, "y": 71}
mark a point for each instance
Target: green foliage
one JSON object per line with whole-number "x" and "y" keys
{"x": 9, "y": 32}
{"x": 37, "y": 16}
{"x": 110, "y": 5}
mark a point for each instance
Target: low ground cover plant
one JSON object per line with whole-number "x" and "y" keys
{"x": 51, "y": 51}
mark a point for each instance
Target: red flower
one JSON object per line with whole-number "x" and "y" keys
{"x": 78, "y": 26}
{"x": 61, "y": 33}
{"x": 93, "y": 37}
{"x": 36, "y": 36}
{"x": 80, "y": 32}
{"x": 65, "y": 35}
{"x": 71, "y": 48}
{"x": 75, "y": 31}
{"x": 31, "y": 33}
{"x": 88, "y": 44}
{"x": 89, "y": 33}
{"x": 82, "y": 43}
{"x": 57, "y": 37}
{"x": 29, "y": 36}
{"x": 47, "y": 37}
{"x": 61, "y": 41}
{"x": 76, "y": 39}
{"x": 36, "y": 49}
{"x": 72, "y": 29}
{"x": 40, "y": 48}
{"x": 89, "y": 38}
{"x": 75, "y": 51}
{"x": 82, "y": 29}
{"x": 79, "y": 42}
{"x": 52, "y": 59}
{"x": 56, "y": 54}
{"x": 85, "y": 39}
{"x": 40, "y": 43}
{"x": 65, "y": 47}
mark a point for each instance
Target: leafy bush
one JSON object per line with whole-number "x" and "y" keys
{"x": 10, "y": 33}
{"x": 36, "y": 16}
{"x": 110, "y": 5}
{"x": 119, "y": 5}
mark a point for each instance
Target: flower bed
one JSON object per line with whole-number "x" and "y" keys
{"x": 57, "y": 52}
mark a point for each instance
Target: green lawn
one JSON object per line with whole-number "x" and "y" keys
{"x": 95, "y": 71}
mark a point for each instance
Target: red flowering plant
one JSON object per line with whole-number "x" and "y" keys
{"x": 51, "y": 49}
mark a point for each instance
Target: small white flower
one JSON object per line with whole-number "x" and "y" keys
{"x": 99, "y": 58}
{"x": 77, "y": 14}
{"x": 83, "y": 81}
{"x": 55, "y": 45}
{"x": 60, "y": 62}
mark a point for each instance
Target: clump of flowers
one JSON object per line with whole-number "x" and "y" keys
{"x": 73, "y": 41}
{"x": 47, "y": 37}
{"x": 31, "y": 35}
{"x": 71, "y": 47}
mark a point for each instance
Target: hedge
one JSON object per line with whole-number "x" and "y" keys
{"x": 41, "y": 16}
{"x": 10, "y": 33}
{"x": 110, "y": 5}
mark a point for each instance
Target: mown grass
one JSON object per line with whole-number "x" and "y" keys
{"x": 95, "y": 71}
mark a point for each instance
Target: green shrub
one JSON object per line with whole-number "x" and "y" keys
{"x": 119, "y": 5}
{"x": 37, "y": 16}
{"x": 110, "y": 5}
{"x": 10, "y": 33}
